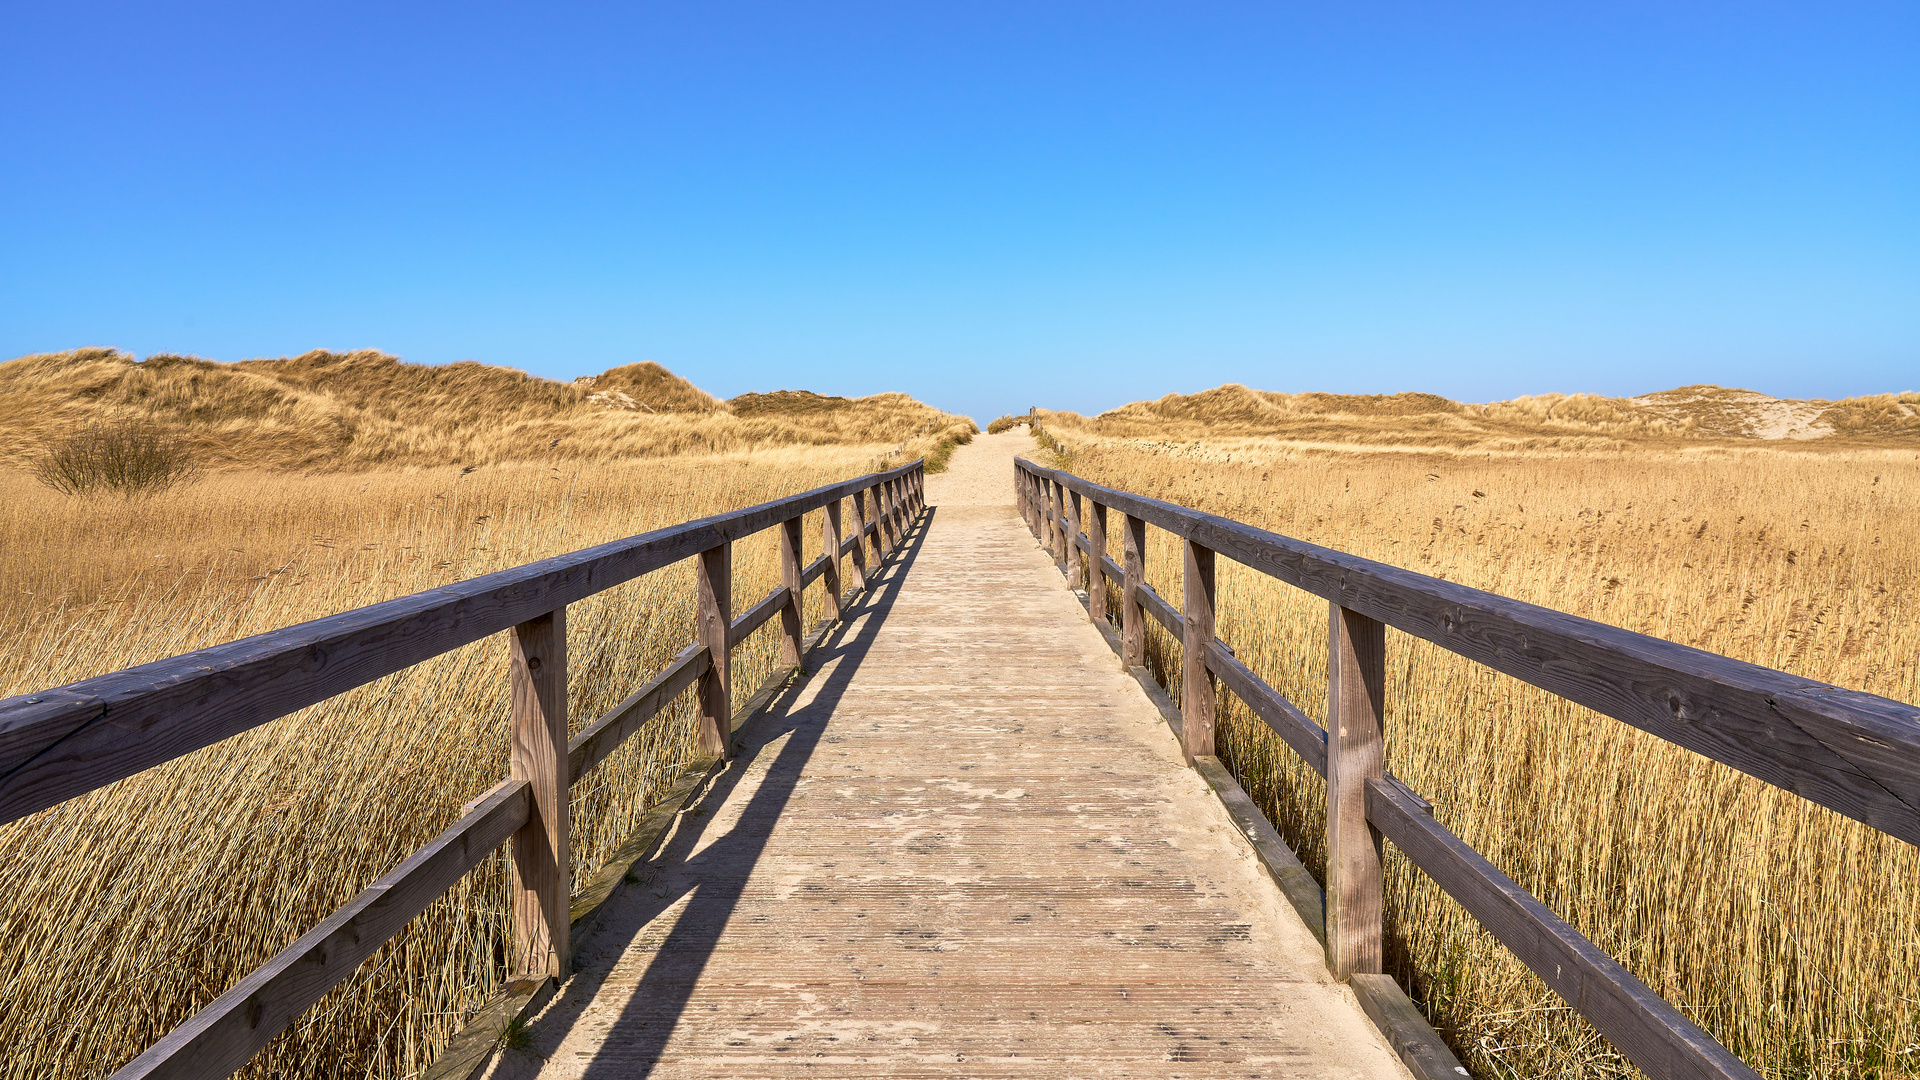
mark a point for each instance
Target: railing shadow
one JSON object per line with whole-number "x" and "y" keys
{"x": 712, "y": 881}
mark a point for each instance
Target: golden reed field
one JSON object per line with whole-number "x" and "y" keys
{"x": 1783, "y": 533}
{"x": 354, "y": 479}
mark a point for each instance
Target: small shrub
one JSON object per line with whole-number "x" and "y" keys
{"x": 126, "y": 458}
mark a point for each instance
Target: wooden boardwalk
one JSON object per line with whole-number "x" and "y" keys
{"x": 965, "y": 846}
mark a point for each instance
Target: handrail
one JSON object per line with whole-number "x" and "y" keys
{"x": 59, "y": 743}
{"x": 1852, "y": 752}
{"x": 1856, "y": 753}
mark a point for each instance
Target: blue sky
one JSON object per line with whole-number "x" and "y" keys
{"x": 986, "y": 205}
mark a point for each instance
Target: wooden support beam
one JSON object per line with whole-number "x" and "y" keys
{"x": 715, "y": 618}
{"x": 1060, "y": 525}
{"x": 1133, "y": 620}
{"x": 537, "y": 684}
{"x": 830, "y": 543}
{"x": 1073, "y": 540}
{"x": 883, "y": 522}
{"x": 859, "y": 551}
{"x": 1196, "y": 682}
{"x": 1096, "y": 562}
{"x": 790, "y": 631}
{"x": 1356, "y": 716}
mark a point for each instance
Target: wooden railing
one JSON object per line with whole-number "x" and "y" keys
{"x": 64, "y": 742}
{"x": 1854, "y": 753}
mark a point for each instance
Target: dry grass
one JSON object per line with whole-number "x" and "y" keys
{"x": 365, "y": 410}
{"x": 1581, "y": 423}
{"x": 1786, "y": 931}
{"x": 123, "y": 911}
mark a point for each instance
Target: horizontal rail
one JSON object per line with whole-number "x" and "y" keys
{"x": 813, "y": 571}
{"x": 598, "y": 740}
{"x": 756, "y": 616}
{"x": 223, "y": 1036}
{"x": 1307, "y": 738}
{"x": 1156, "y": 605}
{"x": 1649, "y": 1031}
{"x": 56, "y": 744}
{"x": 1852, "y": 752}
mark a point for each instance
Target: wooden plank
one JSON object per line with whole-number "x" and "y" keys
{"x": 1281, "y": 864}
{"x": 1133, "y": 578}
{"x": 58, "y": 743}
{"x": 537, "y": 688}
{"x": 795, "y": 586}
{"x": 758, "y": 615}
{"x": 1196, "y": 682}
{"x": 222, "y": 1037}
{"x": 1097, "y": 562}
{"x": 1058, "y": 502}
{"x": 714, "y": 584}
{"x": 1356, "y": 683}
{"x": 1425, "y": 1054}
{"x": 1643, "y": 1026}
{"x": 859, "y": 542}
{"x": 1855, "y": 753}
{"x": 601, "y": 738}
{"x": 1296, "y": 728}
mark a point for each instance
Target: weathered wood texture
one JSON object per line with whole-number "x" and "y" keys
{"x": 58, "y": 743}
{"x": 963, "y": 846}
{"x": 714, "y": 629}
{"x": 1856, "y": 753}
{"x": 1356, "y": 683}
{"x": 1098, "y": 562}
{"x": 537, "y": 685}
{"x": 1642, "y": 1025}
{"x": 1196, "y": 682}
{"x": 1133, "y": 577}
{"x": 221, "y": 1037}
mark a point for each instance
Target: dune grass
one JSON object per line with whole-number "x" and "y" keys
{"x": 1787, "y": 932}
{"x": 125, "y": 910}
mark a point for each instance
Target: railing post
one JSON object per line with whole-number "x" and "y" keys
{"x": 830, "y": 542}
{"x": 1356, "y": 683}
{"x": 880, "y": 541}
{"x": 537, "y": 695}
{"x": 715, "y": 575}
{"x": 1096, "y": 562}
{"x": 859, "y": 501}
{"x": 1133, "y": 567}
{"x": 1073, "y": 539}
{"x": 1059, "y": 524}
{"x": 796, "y": 588}
{"x": 1196, "y": 681}
{"x": 1044, "y": 489}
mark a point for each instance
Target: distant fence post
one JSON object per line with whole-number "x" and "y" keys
{"x": 1196, "y": 680}
{"x": 1356, "y": 684}
{"x": 715, "y": 619}
{"x": 830, "y": 543}
{"x": 1133, "y": 567}
{"x": 537, "y": 696}
{"x": 1096, "y": 561}
{"x": 790, "y": 622}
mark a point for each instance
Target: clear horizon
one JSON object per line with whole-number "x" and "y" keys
{"x": 1074, "y": 207}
